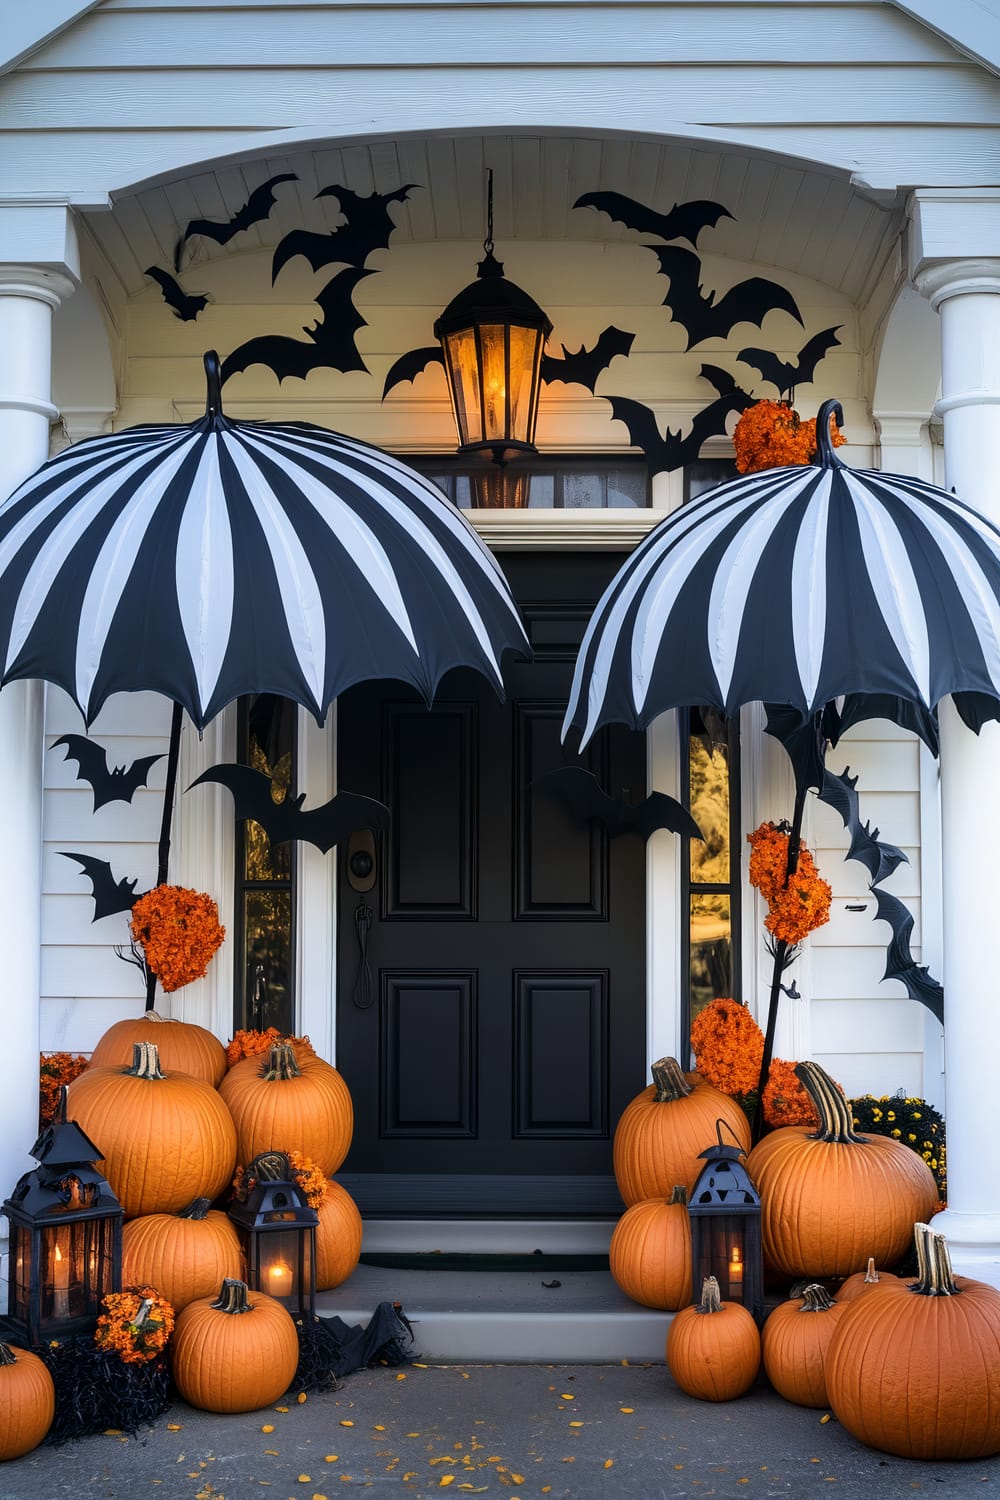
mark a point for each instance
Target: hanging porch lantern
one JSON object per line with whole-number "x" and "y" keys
{"x": 724, "y": 1209}
{"x": 65, "y": 1238}
{"x": 278, "y": 1229}
{"x": 492, "y": 336}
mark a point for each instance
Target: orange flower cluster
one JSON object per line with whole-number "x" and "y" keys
{"x": 785, "y": 1100}
{"x": 728, "y": 1046}
{"x": 252, "y": 1043}
{"x": 310, "y": 1178}
{"x": 794, "y": 909}
{"x": 135, "y": 1324}
{"x": 770, "y": 435}
{"x": 179, "y": 932}
{"x": 55, "y": 1070}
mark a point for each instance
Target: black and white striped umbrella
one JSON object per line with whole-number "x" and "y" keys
{"x": 796, "y": 586}
{"x": 222, "y": 558}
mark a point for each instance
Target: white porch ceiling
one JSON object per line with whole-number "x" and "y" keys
{"x": 786, "y": 215}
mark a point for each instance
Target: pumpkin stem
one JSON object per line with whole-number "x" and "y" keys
{"x": 232, "y": 1297}
{"x": 816, "y": 1298}
{"x": 836, "y": 1123}
{"x": 196, "y": 1209}
{"x": 670, "y": 1081}
{"x": 679, "y": 1194}
{"x": 711, "y": 1297}
{"x": 145, "y": 1061}
{"x": 280, "y": 1063}
{"x": 935, "y": 1277}
{"x": 7, "y": 1355}
{"x": 872, "y": 1277}
{"x": 271, "y": 1166}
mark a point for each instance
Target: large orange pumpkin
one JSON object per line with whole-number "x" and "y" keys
{"x": 650, "y": 1253}
{"x": 184, "y": 1256}
{"x": 27, "y": 1401}
{"x": 235, "y": 1352}
{"x": 183, "y": 1047}
{"x": 915, "y": 1373}
{"x": 796, "y": 1337}
{"x": 831, "y": 1198}
{"x": 713, "y": 1349}
{"x": 338, "y": 1237}
{"x": 290, "y": 1100}
{"x": 661, "y": 1133}
{"x": 164, "y": 1138}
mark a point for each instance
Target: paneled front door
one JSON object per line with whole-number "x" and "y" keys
{"x": 491, "y": 981}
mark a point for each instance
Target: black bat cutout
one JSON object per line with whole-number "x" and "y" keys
{"x": 368, "y": 228}
{"x": 332, "y": 344}
{"x": 257, "y": 207}
{"x": 408, "y": 366}
{"x": 672, "y": 450}
{"x": 839, "y": 793}
{"x": 323, "y": 826}
{"x": 582, "y": 795}
{"x": 699, "y": 314}
{"x": 583, "y": 366}
{"x": 185, "y": 306}
{"x": 110, "y": 895}
{"x": 804, "y": 740}
{"x": 786, "y": 376}
{"x": 109, "y": 785}
{"x": 684, "y": 221}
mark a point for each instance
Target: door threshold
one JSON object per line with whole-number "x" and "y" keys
{"x": 487, "y": 1236}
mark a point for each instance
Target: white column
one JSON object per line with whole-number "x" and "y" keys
{"x": 28, "y": 295}
{"x": 966, "y": 293}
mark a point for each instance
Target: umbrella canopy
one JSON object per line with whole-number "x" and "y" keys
{"x": 222, "y": 558}
{"x": 796, "y": 586}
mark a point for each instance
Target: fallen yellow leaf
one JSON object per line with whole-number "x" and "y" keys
{"x": 400, "y": 1377}
{"x": 378, "y": 1427}
{"x": 628, "y": 1410}
{"x": 412, "y": 1474}
{"x": 112, "y": 1432}
{"x": 825, "y": 1418}
{"x": 302, "y": 1398}
{"x": 173, "y": 1427}
{"x": 566, "y": 1396}
{"x": 411, "y": 1434}
{"x": 305, "y": 1479}
{"x": 609, "y": 1463}
{"x": 319, "y": 1497}
{"x": 576, "y": 1424}
{"x": 331, "y": 1458}
{"x": 272, "y": 1452}
{"x": 418, "y": 1366}
{"x": 281, "y": 1408}
{"x": 345, "y": 1423}
{"x": 267, "y": 1427}
{"x": 568, "y": 1460}
{"x": 465, "y": 1375}
{"x": 517, "y": 1478}
{"x": 445, "y": 1479}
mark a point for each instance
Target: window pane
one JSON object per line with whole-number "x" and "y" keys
{"x": 710, "y": 808}
{"x": 711, "y": 950}
{"x": 267, "y": 925}
{"x": 270, "y": 740}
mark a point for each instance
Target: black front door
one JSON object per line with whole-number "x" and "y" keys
{"x": 491, "y": 981}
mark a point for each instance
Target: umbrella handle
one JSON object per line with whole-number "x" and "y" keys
{"x": 825, "y": 456}
{"x": 213, "y": 381}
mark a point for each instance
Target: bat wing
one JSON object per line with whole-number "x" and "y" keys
{"x": 707, "y": 423}
{"x": 251, "y": 794}
{"x": 641, "y": 423}
{"x": 330, "y": 343}
{"x": 319, "y": 250}
{"x": 582, "y": 795}
{"x": 91, "y": 760}
{"x": 685, "y": 221}
{"x": 813, "y": 351}
{"x": 750, "y": 301}
{"x": 323, "y": 826}
{"x": 660, "y": 811}
{"x": 583, "y": 367}
{"x": 369, "y": 227}
{"x": 110, "y": 895}
{"x": 284, "y": 356}
{"x": 840, "y": 793}
{"x": 337, "y": 819}
{"x": 126, "y": 782}
{"x": 258, "y": 206}
{"x": 184, "y": 306}
{"x": 408, "y": 366}
{"x": 899, "y": 961}
{"x": 769, "y": 367}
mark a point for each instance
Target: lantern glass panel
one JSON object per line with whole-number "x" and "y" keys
{"x": 463, "y": 376}
{"x": 493, "y": 353}
{"x": 59, "y": 1274}
{"x": 724, "y": 1254}
{"x": 525, "y": 344}
{"x": 282, "y": 1265}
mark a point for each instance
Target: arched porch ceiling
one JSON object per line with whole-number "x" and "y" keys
{"x": 786, "y": 214}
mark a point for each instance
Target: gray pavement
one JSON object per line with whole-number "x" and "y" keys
{"x": 591, "y": 1432}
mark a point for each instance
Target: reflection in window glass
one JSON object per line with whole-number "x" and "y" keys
{"x": 559, "y": 484}
{"x": 712, "y": 868}
{"x": 711, "y": 964}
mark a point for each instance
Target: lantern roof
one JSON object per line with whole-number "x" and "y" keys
{"x": 491, "y": 298}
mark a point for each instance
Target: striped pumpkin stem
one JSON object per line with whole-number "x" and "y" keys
{"x": 711, "y": 1297}
{"x": 935, "y": 1277}
{"x": 232, "y": 1297}
{"x": 7, "y": 1355}
{"x": 669, "y": 1080}
{"x": 145, "y": 1061}
{"x": 836, "y": 1123}
{"x": 280, "y": 1063}
{"x": 816, "y": 1298}
{"x": 679, "y": 1194}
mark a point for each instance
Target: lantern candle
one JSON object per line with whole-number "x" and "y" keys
{"x": 279, "y": 1279}
{"x": 735, "y": 1273}
{"x": 60, "y": 1284}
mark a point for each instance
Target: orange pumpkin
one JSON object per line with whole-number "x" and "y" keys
{"x": 796, "y": 1337}
{"x": 184, "y": 1256}
{"x": 868, "y": 1280}
{"x": 183, "y": 1047}
{"x": 226, "y": 1360}
{"x": 27, "y": 1401}
{"x": 290, "y": 1100}
{"x": 165, "y": 1138}
{"x": 713, "y": 1349}
{"x": 338, "y": 1237}
{"x": 650, "y": 1253}
{"x": 831, "y": 1198}
{"x": 915, "y": 1375}
{"x": 661, "y": 1133}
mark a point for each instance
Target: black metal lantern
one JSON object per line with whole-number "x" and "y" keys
{"x": 65, "y": 1238}
{"x": 724, "y": 1209}
{"x": 492, "y": 336}
{"x": 279, "y": 1234}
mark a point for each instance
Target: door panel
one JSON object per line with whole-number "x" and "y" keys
{"x": 506, "y": 941}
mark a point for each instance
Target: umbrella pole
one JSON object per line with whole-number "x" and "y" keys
{"x": 781, "y": 961}
{"x": 173, "y": 759}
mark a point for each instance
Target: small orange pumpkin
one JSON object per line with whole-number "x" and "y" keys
{"x": 27, "y": 1401}
{"x": 338, "y": 1237}
{"x": 650, "y": 1252}
{"x": 183, "y": 1047}
{"x": 713, "y": 1349}
{"x": 794, "y": 1343}
{"x": 165, "y": 1138}
{"x": 830, "y": 1198}
{"x": 290, "y": 1100}
{"x": 184, "y": 1256}
{"x": 915, "y": 1375}
{"x": 661, "y": 1133}
{"x": 868, "y": 1280}
{"x": 236, "y": 1352}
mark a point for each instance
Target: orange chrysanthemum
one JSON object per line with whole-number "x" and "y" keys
{"x": 55, "y": 1070}
{"x": 253, "y": 1043}
{"x": 770, "y": 435}
{"x": 785, "y": 1100}
{"x": 797, "y": 906}
{"x": 179, "y": 932}
{"x": 135, "y": 1324}
{"x": 728, "y": 1046}
{"x": 305, "y": 1174}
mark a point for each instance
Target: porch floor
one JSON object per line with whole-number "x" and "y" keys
{"x": 507, "y": 1316}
